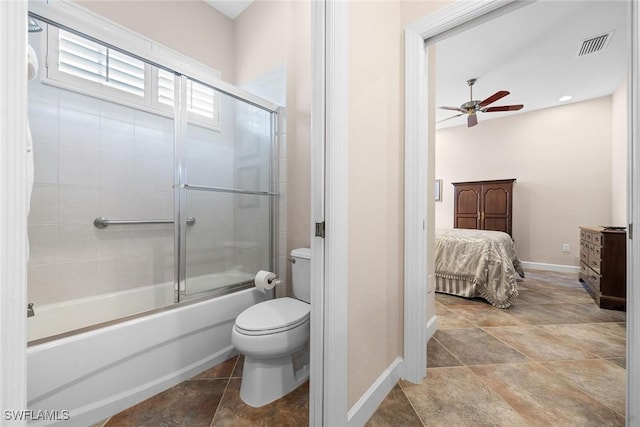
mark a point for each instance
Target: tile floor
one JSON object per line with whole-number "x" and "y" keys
{"x": 552, "y": 359}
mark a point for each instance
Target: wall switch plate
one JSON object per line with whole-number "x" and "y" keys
{"x": 566, "y": 248}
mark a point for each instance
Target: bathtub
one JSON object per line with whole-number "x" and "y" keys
{"x": 97, "y": 373}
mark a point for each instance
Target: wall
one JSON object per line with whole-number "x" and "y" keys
{"x": 272, "y": 37}
{"x": 376, "y": 187}
{"x": 561, "y": 158}
{"x": 190, "y": 27}
{"x": 619, "y": 148}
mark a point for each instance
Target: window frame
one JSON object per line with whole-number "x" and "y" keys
{"x": 148, "y": 102}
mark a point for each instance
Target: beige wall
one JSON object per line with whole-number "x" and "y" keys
{"x": 267, "y": 35}
{"x": 376, "y": 189}
{"x": 260, "y": 38}
{"x": 619, "y": 144}
{"x": 561, "y": 158}
{"x": 187, "y": 26}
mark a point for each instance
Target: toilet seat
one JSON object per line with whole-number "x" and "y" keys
{"x": 273, "y": 316}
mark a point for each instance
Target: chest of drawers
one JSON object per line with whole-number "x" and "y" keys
{"x": 603, "y": 265}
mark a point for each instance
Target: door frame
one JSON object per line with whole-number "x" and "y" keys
{"x": 329, "y": 205}
{"x": 419, "y": 175}
{"x": 13, "y": 208}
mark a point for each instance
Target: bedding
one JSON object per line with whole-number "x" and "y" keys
{"x": 477, "y": 263}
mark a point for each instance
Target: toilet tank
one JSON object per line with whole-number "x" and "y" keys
{"x": 301, "y": 273}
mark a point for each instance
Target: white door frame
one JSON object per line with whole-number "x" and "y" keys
{"x": 13, "y": 207}
{"x": 418, "y": 241}
{"x": 419, "y": 124}
{"x": 329, "y": 199}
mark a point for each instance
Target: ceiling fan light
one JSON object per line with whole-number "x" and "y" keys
{"x": 565, "y": 98}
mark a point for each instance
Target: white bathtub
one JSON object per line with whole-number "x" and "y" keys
{"x": 53, "y": 319}
{"x": 98, "y": 373}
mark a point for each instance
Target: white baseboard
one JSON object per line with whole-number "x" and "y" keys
{"x": 364, "y": 408}
{"x": 432, "y": 326}
{"x": 550, "y": 267}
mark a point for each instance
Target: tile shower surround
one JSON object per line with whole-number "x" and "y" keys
{"x": 96, "y": 158}
{"x": 524, "y": 366}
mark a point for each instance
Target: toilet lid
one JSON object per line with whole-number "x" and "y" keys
{"x": 272, "y": 316}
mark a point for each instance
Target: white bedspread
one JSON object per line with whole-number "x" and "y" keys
{"x": 487, "y": 260}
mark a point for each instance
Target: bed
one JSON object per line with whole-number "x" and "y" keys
{"x": 477, "y": 263}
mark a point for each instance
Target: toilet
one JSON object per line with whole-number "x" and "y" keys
{"x": 274, "y": 338}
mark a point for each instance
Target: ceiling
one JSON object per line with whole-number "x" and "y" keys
{"x": 230, "y": 8}
{"x": 533, "y": 53}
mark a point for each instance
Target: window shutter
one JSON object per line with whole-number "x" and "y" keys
{"x": 92, "y": 61}
{"x": 201, "y": 99}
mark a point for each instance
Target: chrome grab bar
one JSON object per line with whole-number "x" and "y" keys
{"x": 102, "y": 222}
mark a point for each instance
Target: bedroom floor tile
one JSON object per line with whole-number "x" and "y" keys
{"x": 543, "y": 398}
{"x": 438, "y": 356}
{"x": 476, "y": 347}
{"x": 455, "y": 397}
{"x": 537, "y": 344}
{"x": 448, "y": 319}
{"x": 590, "y": 337}
{"x": 597, "y": 378}
{"x": 486, "y": 315}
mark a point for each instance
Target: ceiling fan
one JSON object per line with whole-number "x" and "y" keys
{"x": 471, "y": 107}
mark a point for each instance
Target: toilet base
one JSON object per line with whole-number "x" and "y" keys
{"x": 266, "y": 380}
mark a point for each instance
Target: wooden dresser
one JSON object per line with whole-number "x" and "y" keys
{"x": 483, "y": 205}
{"x": 603, "y": 265}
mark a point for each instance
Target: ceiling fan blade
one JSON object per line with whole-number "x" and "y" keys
{"x": 503, "y": 108}
{"x": 449, "y": 118}
{"x": 453, "y": 108}
{"x": 472, "y": 120}
{"x": 493, "y": 98}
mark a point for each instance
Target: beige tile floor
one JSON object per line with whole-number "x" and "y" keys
{"x": 552, "y": 359}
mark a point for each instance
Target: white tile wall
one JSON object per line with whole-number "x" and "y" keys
{"x": 78, "y": 129}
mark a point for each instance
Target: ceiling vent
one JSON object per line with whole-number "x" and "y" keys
{"x": 595, "y": 44}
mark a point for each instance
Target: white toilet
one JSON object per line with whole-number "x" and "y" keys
{"x": 274, "y": 338}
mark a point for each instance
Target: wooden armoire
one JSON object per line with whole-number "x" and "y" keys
{"x": 484, "y": 205}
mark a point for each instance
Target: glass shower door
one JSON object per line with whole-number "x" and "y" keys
{"x": 229, "y": 187}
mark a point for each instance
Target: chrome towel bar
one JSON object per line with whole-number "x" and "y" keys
{"x": 102, "y": 222}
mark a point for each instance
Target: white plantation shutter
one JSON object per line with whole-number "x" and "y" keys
{"x": 81, "y": 64}
{"x": 202, "y": 102}
{"x": 92, "y": 61}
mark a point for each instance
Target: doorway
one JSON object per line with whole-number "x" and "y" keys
{"x": 419, "y": 176}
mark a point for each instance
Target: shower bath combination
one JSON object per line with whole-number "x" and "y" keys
{"x": 151, "y": 213}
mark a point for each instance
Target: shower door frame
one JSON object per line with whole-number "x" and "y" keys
{"x": 181, "y": 186}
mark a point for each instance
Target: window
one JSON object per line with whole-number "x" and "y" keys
{"x": 84, "y": 65}
{"x": 92, "y": 61}
{"x": 202, "y": 101}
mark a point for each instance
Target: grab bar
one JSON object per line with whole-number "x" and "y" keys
{"x": 102, "y": 222}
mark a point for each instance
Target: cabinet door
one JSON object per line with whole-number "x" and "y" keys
{"x": 496, "y": 207}
{"x": 467, "y": 206}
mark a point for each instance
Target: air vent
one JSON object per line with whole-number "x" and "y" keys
{"x": 595, "y": 44}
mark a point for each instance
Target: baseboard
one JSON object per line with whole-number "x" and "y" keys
{"x": 364, "y": 408}
{"x": 432, "y": 326}
{"x": 550, "y": 267}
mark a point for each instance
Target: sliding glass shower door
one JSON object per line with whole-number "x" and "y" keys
{"x": 227, "y": 184}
